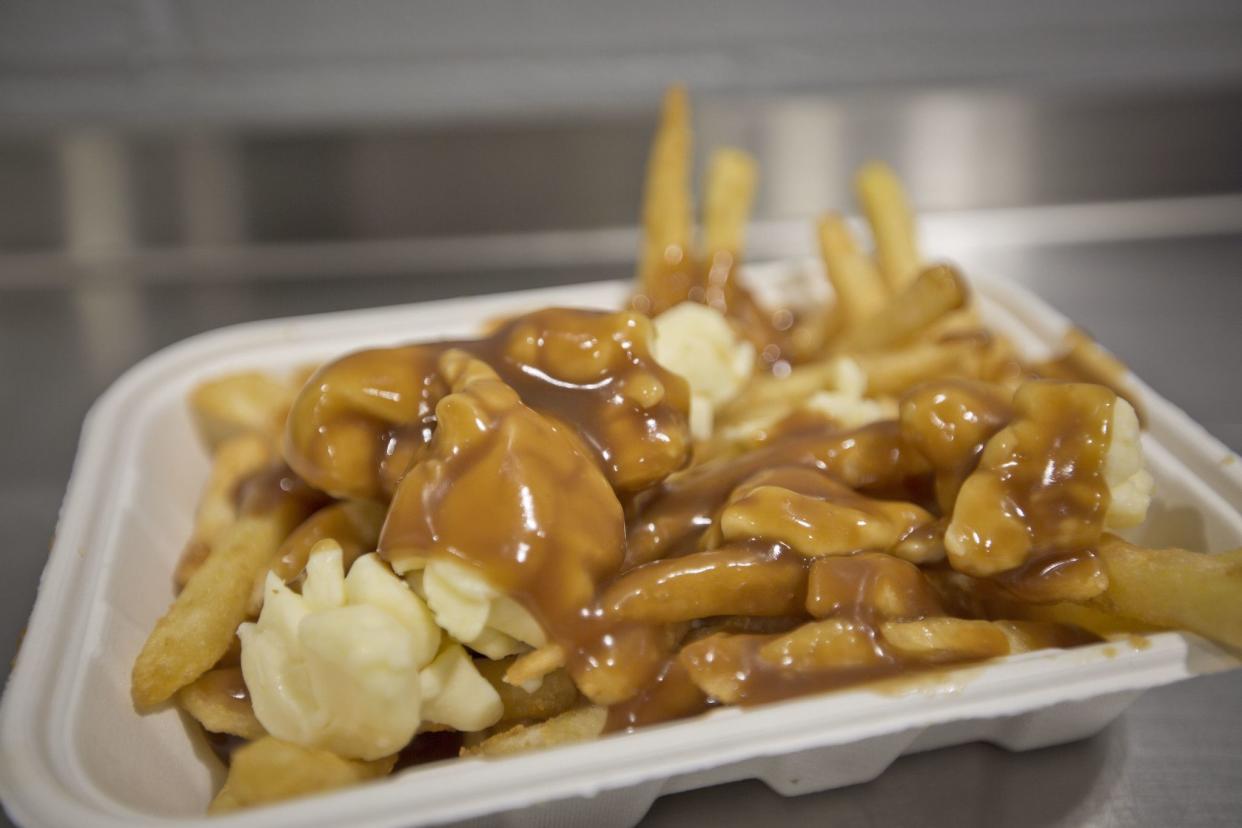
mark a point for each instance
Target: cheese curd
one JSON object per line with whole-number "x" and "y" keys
{"x": 474, "y": 612}
{"x": 847, "y": 403}
{"x": 356, "y": 662}
{"x": 698, "y": 343}
{"x": 1129, "y": 483}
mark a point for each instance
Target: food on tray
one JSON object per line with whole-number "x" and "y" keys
{"x": 588, "y": 521}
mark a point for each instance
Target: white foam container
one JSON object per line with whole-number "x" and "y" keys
{"x": 74, "y": 752}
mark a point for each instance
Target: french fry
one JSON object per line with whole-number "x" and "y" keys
{"x": 668, "y": 214}
{"x": 531, "y": 667}
{"x": 725, "y": 581}
{"x": 720, "y": 664}
{"x": 886, "y": 586}
{"x": 236, "y": 458}
{"x": 1085, "y": 360}
{"x": 240, "y": 403}
{"x": 1028, "y": 636}
{"x": 776, "y": 395}
{"x": 353, "y": 524}
{"x": 827, "y": 522}
{"x": 822, "y": 645}
{"x": 218, "y": 700}
{"x": 936, "y": 290}
{"x": 943, "y": 639}
{"x": 1174, "y": 588}
{"x": 860, "y": 290}
{"x": 556, "y": 692}
{"x": 577, "y": 725}
{"x": 200, "y": 625}
{"x": 892, "y": 223}
{"x": 269, "y": 770}
{"x": 730, "y": 191}
{"x": 895, "y": 371}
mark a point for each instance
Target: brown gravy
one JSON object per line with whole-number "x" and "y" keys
{"x": 531, "y": 455}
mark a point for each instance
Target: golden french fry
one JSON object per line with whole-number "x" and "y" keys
{"x": 963, "y": 323}
{"x": 818, "y": 517}
{"x": 721, "y": 665}
{"x": 730, "y": 191}
{"x": 535, "y": 665}
{"x": 980, "y": 598}
{"x": 860, "y": 290}
{"x": 236, "y": 458}
{"x": 235, "y": 404}
{"x": 822, "y": 645}
{"x": 1174, "y": 588}
{"x": 556, "y": 692}
{"x": 874, "y": 582}
{"x": 941, "y": 640}
{"x": 726, "y": 581}
{"x": 892, "y": 223}
{"x": 1028, "y": 636}
{"x": 200, "y": 625}
{"x": 779, "y": 394}
{"x": 936, "y": 290}
{"x": 219, "y": 701}
{"x": 577, "y": 725}
{"x": 353, "y": 524}
{"x": 893, "y": 372}
{"x": 1085, "y": 360}
{"x": 668, "y": 215}
{"x": 269, "y": 770}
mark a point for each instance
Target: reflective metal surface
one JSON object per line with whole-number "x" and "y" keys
{"x": 177, "y": 204}
{"x": 287, "y": 224}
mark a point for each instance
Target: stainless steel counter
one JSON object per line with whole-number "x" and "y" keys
{"x": 1167, "y": 301}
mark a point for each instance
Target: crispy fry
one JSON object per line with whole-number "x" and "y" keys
{"x": 218, "y": 700}
{"x": 533, "y": 666}
{"x": 1085, "y": 360}
{"x": 937, "y": 290}
{"x": 269, "y": 770}
{"x": 725, "y": 581}
{"x": 240, "y": 403}
{"x": 821, "y": 645}
{"x": 577, "y": 725}
{"x": 668, "y": 217}
{"x": 980, "y": 598}
{"x": 776, "y": 395}
{"x": 860, "y": 290}
{"x": 199, "y": 627}
{"x": 940, "y": 640}
{"x": 895, "y": 371}
{"x": 236, "y": 458}
{"x": 731, "y": 176}
{"x": 892, "y": 223}
{"x": 1174, "y": 588}
{"x": 882, "y": 584}
{"x": 353, "y": 524}
{"x": 556, "y": 692}
{"x": 1028, "y": 636}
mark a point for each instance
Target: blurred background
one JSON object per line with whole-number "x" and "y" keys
{"x": 171, "y": 166}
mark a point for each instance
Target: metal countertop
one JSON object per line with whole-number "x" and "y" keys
{"x": 1172, "y": 758}
{"x": 1168, "y": 304}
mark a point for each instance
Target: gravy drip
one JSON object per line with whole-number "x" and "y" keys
{"x": 526, "y": 444}
{"x": 1034, "y": 509}
{"x": 362, "y": 421}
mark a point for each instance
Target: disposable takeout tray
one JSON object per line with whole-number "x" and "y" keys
{"x": 74, "y": 752}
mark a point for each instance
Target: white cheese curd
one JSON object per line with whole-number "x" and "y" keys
{"x": 355, "y": 663}
{"x": 698, "y": 343}
{"x": 456, "y": 695}
{"x": 846, "y": 403}
{"x": 475, "y": 613}
{"x": 1129, "y": 483}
